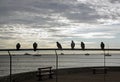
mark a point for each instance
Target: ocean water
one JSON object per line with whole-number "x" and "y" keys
{"x": 26, "y": 63}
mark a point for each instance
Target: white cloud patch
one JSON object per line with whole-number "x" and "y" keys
{"x": 97, "y": 35}
{"x": 108, "y": 21}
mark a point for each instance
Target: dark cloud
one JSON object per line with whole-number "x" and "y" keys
{"x": 73, "y": 11}
{"x": 83, "y": 13}
{"x": 44, "y": 7}
{"x": 115, "y": 1}
{"x": 4, "y": 38}
{"x": 55, "y": 6}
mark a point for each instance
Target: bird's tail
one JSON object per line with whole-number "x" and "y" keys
{"x": 34, "y": 49}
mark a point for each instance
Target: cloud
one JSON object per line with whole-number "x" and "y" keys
{"x": 58, "y": 20}
{"x": 108, "y": 21}
{"x": 115, "y": 1}
{"x": 82, "y": 13}
{"x": 43, "y": 11}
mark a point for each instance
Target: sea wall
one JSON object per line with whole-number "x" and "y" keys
{"x": 19, "y": 77}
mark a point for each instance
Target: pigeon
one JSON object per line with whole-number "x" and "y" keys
{"x": 18, "y": 46}
{"x": 59, "y": 45}
{"x": 72, "y": 44}
{"x": 34, "y": 46}
{"x": 102, "y": 45}
{"x": 82, "y": 45}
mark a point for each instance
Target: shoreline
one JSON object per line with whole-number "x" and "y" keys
{"x": 19, "y": 77}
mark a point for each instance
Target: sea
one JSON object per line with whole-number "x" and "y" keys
{"x": 28, "y": 62}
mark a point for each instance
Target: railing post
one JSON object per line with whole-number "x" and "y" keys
{"x": 56, "y": 66}
{"x": 104, "y": 67}
{"x": 10, "y": 66}
{"x": 104, "y": 59}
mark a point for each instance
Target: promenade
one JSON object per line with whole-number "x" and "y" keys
{"x": 83, "y": 76}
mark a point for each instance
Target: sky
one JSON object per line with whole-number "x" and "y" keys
{"x": 48, "y": 21}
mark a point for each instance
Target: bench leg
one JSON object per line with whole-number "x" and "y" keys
{"x": 105, "y": 71}
{"x": 94, "y": 71}
{"x": 50, "y": 76}
{"x": 40, "y": 78}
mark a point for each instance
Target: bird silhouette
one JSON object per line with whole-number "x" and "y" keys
{"x": 82, "y": 45}
{"x": 59, "y": 45}
{"x": 18, "y": 46}
{"x": 102, "y": 45}
{"x": 72, "y": 44}
{"x": 34, "y": 46}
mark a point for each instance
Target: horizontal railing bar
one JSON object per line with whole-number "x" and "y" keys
{"x": 87, "y": 49}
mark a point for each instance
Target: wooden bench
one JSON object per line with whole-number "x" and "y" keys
{"x": 99, "y": 70}
{"x": 45, "y": 71}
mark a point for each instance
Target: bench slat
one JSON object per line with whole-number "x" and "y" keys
{"x": 45, "y": 74}
{"x": 44, "y": 71}
{"x": 44, "y": 68}
{"x": 99, "y": 72}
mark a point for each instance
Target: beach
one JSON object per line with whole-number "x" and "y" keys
{"x": 72, "y": 75}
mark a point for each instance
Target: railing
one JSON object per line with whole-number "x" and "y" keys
{"x": 57, "y": 58}
{"x": 89, "y": 49}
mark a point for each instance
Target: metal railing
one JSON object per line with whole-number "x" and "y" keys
{"x": 54, "y": 49}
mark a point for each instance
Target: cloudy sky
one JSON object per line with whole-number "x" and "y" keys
{"x": 48, "y": 21}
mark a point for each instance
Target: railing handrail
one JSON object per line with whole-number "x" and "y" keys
{"x": 87, "y": 49}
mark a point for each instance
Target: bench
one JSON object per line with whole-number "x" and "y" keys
{"x": 45, "y": 71}
{"x": 99, "y": 70}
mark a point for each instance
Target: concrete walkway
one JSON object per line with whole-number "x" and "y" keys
{"x": 111, "y": 76}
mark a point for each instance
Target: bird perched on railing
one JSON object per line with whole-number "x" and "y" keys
{"x": 59, "y": 45}
{"x": 34, "y": 46}
{"x": 82, "y": 45}
{"x": 18, "y": 46}
{"x": 72, "y": 44}
{"x": 102, "y": 45}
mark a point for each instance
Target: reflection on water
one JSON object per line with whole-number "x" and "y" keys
{"x": 24, "y": 63}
